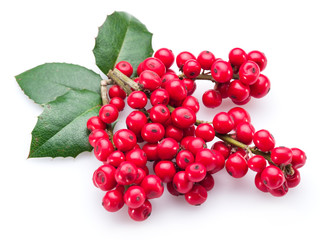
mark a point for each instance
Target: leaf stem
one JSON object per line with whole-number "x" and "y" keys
{"x": 115, "y": 77}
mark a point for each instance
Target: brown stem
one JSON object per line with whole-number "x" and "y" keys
{"x": 115, "y": 78}
{"x": 104, "y": 92}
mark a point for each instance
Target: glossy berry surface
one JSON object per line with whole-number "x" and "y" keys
{"x": 95, "y": 135}
{"x": 167, "y": 148}
{"x": 94, "y": 123}
{"x": 124, "y": 140}
{"x": 183, "y": 117}
{"x": 197, "y": 195}
{"x": 137, "y": 100}
{"x": 165, "y": 170}
{"x": 113, "y": 201}
{"x": 249, "y": 72}
{"x": 159, "y": 114}
{"x": 125, "y": 67}
{"x": 264, "y": 140}
{"x": 134, "y": 197}
{"x": 153, "y": 186}
{"x": 294, "y": 179}
{"x": 259, "y": 58}
{"x": 237, "y": 57}
{"x": 152, "y": 132}
{"x": 211, "y": 98}
{"x": 181, "y": 182}
{"x": 116, "y": 91}
{"x": 126, "y": 173}
{"x": 281, "y": 155}
{"x": 261, "y": 87}
{"x": 138, "y": 157}
{"x": 118, "y": 103}
{"x": 103, "y": 148}
{"x": 177, "y": 90}
{"x": 239, "y": 114}
{"x": 238, "y": 91}
{"x": 141, "y": 213}
{"x": 183, "y": 57}
{"x": 135, "y": 121}
{"x": 108, "y": 113}
{"x": 236, "y": 165}
{"x": 245, "y": 132}
{"x": 211, "y": 159}
{"x": 257, "y": 163}
{"x": 205, "y": 131}
{"x": 165, "y": 55}
{"x": 159, "y": 96}
{"x": 184, "y": 158}
{"x": 192, "y": 103}
{"x": 191, "y": 68}
{"x": 223, "y": 123}
{"x": 222, "y": 147}
{"x": 221, "y": 71}
{"x": 298, "y": 158}
{"x": 206, "y": 59}
{"x": 116, "y": 158}
{"x": 104, "y": 177}
{"x": 149, "y": 80}
{"x": 196, "y": 144}
{"x": 154, "y": 65}
{"x": 196, "y": 172}
{"x": 272, "y": 177}
{"x": 207, "y": 182}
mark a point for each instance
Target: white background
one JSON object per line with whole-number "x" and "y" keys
{"x": 55, "y": 198}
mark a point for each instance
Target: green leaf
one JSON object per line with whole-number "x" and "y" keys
{"x": 61, "y": 128}
{"x": 46, "y": 82}
{"x": 122, "y": 37}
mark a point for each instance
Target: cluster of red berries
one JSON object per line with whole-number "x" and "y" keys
{"x": 167, "y": 144}
{"x": 239, "y": 78}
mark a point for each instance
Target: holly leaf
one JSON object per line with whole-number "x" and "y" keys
{"x": 122, "y": 37}
{"x": 61, "y": 128}
{"x": 46, "y": 82}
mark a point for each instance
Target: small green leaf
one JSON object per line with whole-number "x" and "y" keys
{"x": 122, "y": 37}
{"x": 46, "y": 82}
{"x": 61, "y": 128}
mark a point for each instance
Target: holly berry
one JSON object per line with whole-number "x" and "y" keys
{"x": 135, "y": 121}
{"x": 152, "y": 186}
{"x": 237, "y": 57}
{"x": 205, "y": 131}
{"x": 184, "y": 158}
{"x": 155, "y": 65}
{"x": 159, "y": 114}
{"x": 191, "y": 68}
{"x": 103, "y": 148}
{"x": 264, "y": 140}
{"x": 261, "y": 87}
{"x": 177, "y": 90}
{"x": 137, "y": 100}
{"x": 138, "y": 157}
{"x": 183, "y": 57}
{"x": 281, "y": 155}
{"x": 165, "y": 170}
{"x": 126, "y": 173}
{"x": 96, "y": 135}
{"x": 166, "y": 56}
{"x": 192, "y": 103}
{"x": 113, "y": 201}
{"x": 150, "y": 80}
{"x": 245, "y": 132}
{"x": 197, "y": 195}
{"x": 116, "y": 158}
{"x": 159, "y": 96}
{"x": 221, "y": 71}
{"x": 236, "y": 165}
{"x": 134, "y": 197}
{"x": 207, "y": 182}
{"x": 257, "y": 163}
{"x": 124, "y": 140}
{"x": 259, "y": 58}
{"x": 238, "y": 91}
{"x": 104, "y": 177}
{"x": 116, "y": 91}
{"x": 211, "y": 159}
{"x": 94, "y": 123}
{"x": 223, "y": 123}
{"x": 152, "y": 132}
{"x": 124, "y": 67}
{"x": 211, "y": 98}
{"x": 196, "y": 172}
{"x": 141, "y": 213}
{"x": 238, "y": 115}
{"x": 249, "y": 72}
{"x": 298, "y": 158}
{"x": 183, "y": 117}
{"x": 206, "y": 59}
{"x": 167, "y": 148}
{"x": 272, "y": 177}
{"x": 108, "y": 113}
{"x": 118, "y": 103}
{"x": 181, "y": 182}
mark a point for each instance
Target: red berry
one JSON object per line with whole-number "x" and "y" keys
{"x": 245, "y": 132}
{"x": 124, "y": 140}
{"x": 261, "y": 87}
{"x": 259, "y": 184}
{"x": 294, "y": 179}
{"x": 205, "y": 131}
{"x": 183, "y": 117}
{"x": 138, "y": 157}
{"x": 206, "y": 59}
{"x": 196, "y": 172}
{"x": 137, "y": 100}
{"x": 115, "y": 158}
{"x": 159, "y": 96}
{"x": 174, "y": 132}
{"x": 281, "y": 155}
{"x": 165, "y": 55}
{"x": 155, "y": 65}
{"x": 124, "y": 67}
{"x": 159, "y": 114}
{"x": 113, "y": 201}
{"x": 236, "y": 165}
{"x": 181, "y": 182}
{"x": 134, "y": 197}
{"x": 152, "y": 132}
{"x": 126, "y": 173}
{"x": 238, "y": 91}
{"x": 141, "y": 174}
{"x": 272, "y": 177}
{"x": 108, "y": 113}
{"x": 94, "y": 123}
{"x": 135, "y": 121}
{"x": 207, "y": 182}
{"x": 168, "y": 77}
{"x": 118, "y": 103}
{"x": 195, "y": 145}
{"x": 264, "y": 140}
{"x": 149, "y": 80}
{"x": 189, "y": 131}
{"x": 103, "y": 148}
{"x": 238, "y": 115}
{"x": 184, "y": 158}
{"x": 237, "y": 57}
{"x": 280, "y": 191}
{"x": 168, "y": 148}
{"x": 221, "y": 71}
{"x": 116, "y": 91}
{"x": 249, "y": 72}
{"x": 257, "y": 163}
{"x": 222, "y": 88}
{"x": 192, "y": 103}
{"x": 104, "y": 177}
{"x": 96, "y": 135}
{"x": 141, "y": 213}
{"x": 191, "y": 68}
{"x": 165, "y": 170}
{"x": 298, "y": 158}
{"x": 197, "y": 195}
{"x": 222, "y": 123}
{"x": 172, "y": 190}
{"x": 185, "y": 141}
{"x": 259, "y": 58}
{"x": 190, "y": 85}
{"x": 177, "y": 90}
{"x": 151, "y": 150}
{"x": 222, "y": 147}
{"x": 183, "y": 57}
{"x": 211, "y": 159}
{"x": 152, "y": 186}
{"x": 241, "y": 102}
{"x": 211, "y": 98}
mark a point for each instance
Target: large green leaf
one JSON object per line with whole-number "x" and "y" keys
{"x": 46, "y": 82}
{"x": 61, "y": 128}
{"x": 122, "y": 37}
